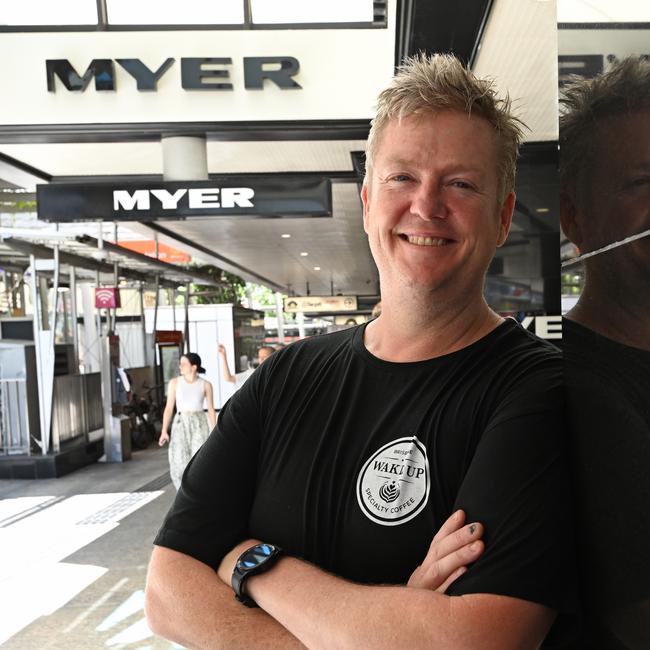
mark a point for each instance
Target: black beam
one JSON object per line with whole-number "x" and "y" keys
{"x": 44, "y": 252}
{"x": 454, "y": 27}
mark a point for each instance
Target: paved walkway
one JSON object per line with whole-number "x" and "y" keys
{"x": 74, "y": 552}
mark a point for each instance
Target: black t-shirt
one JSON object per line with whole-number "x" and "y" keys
{"x": 608, "y": 411}
{"x": 353, "y": 463}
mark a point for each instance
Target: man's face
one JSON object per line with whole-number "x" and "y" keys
{"x": 431, "y": 205}
{"x": 614, "y": 200}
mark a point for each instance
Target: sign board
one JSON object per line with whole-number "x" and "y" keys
{"x": 269, "y": 195}
{"x": 546, "y": 327}
{"x": 107, "y": 297}
{"x": 116, "y": 77}
{"x": 320, "y": 303}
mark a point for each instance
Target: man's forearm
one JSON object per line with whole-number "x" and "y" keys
{"x": 324, "y": 611}
{"x": 187, "y": 603}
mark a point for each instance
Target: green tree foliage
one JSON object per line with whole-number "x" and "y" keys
{"x": 232, "y": 290}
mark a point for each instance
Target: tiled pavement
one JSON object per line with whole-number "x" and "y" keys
{"x": 74, "y": 552}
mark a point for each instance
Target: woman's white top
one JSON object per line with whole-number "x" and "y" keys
{"x": 189, "y": 396}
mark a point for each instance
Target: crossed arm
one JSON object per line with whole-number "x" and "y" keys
{"x": 300, "y": 604}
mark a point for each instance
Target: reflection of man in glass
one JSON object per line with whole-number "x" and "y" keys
{"x": 605, "y": 161}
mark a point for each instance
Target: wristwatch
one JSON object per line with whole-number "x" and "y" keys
{"x": 256, "y": 559}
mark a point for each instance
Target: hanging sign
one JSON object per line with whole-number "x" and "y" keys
{"x": 320, "y": 303}
{"x": 268, "y": 195}
{"x": 107, "y": 297}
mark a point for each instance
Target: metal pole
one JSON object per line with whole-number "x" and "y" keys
{"x": 144, "y": 325}
{"x": 37, "y": 350}
{"x": 115, "y": 283}
{"x": 155, "y": 323}
{"x": 73, "y": 316}
{"x": 186, "y": 333}
{"x": 98, "y": 314}
{"x": 279, "y": 310}
{"x": 173, "y": 301}
{"x": 56, "y": 445}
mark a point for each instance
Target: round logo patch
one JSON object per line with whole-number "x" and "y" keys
{"x": 393, "y": 485}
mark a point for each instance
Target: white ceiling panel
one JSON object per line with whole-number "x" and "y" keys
{"x": 519, "y": 51}
{"x": 117, "y": 158}
{"x": 338, "y": 245}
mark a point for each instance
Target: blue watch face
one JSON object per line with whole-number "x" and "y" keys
{"x": 255, "y": 556}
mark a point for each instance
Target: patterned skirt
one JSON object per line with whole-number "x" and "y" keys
{"x": 189, "y": 431}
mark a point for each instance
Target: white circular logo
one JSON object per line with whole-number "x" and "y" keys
{"x": 393, "y": 485}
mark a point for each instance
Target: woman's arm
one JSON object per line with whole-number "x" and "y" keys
{"x": 168, "y": 412}
{"x": 212, "y": 416}
{"x": 225, "y": 370}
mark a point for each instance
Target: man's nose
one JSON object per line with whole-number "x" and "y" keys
{"x": 428, "y": 202}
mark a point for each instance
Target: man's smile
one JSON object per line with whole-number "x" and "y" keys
{"x": 424, "y": 239}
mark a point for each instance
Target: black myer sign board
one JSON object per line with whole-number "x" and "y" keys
{"x": 257, "y": 196}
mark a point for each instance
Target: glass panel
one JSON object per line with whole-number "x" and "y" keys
{"x": 602, "y": 11}
{"x": 46, "y": 12}
{"x": 170, "y": 12}
{"x": 311, "y": 11}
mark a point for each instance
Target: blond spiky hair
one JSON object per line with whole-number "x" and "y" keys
{"x": 441, "y": 82}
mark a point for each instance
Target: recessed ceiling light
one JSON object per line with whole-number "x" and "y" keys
{"x": 286, "y": 235}
{"x": 304, "y": 254}
{"x": 317, "y": 268}
{"x": 542, "y": 210}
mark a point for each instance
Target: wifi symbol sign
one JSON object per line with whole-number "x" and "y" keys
{"x": 107, "y": 298}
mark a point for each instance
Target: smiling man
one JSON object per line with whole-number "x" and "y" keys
{"x": 318, "y": 494}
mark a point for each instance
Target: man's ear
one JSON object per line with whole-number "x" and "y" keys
{"x": 569, "y": 218}
{"x": 505, "y": 218}
{"x": 365, "y": 199}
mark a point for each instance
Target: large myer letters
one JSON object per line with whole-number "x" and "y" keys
{"x": 198, "y": 198}
{"x": 196, "y": 73}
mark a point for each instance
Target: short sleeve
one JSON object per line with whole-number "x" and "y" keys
{"x": 517, "y": 486}
{"x": 210, "y": 514}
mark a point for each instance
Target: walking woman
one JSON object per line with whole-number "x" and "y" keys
{"x": 191, "y": 427}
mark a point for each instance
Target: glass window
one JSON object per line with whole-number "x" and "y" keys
{"x": 171, "y": 12}
{"x": 311, "y": 11}
{"x": 602, "y": 11}
{"x": 46, "y": 12}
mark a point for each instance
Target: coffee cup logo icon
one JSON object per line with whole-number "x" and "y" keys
{"x": 389, "y": 492}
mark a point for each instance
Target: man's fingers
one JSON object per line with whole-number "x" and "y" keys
{"x": 438, "y": 572}
{"x": 443, "y": 546}
{"x": 453, "y": 523}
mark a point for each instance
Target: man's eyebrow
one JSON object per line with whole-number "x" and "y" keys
{"x": 450, "y": 169}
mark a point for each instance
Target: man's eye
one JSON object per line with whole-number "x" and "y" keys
{"x": 463, "y": 185}
{"x": 400, "y": 178}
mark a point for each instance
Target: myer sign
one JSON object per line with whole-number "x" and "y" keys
{"x": 197, "y": 198}
{"x": 271, "y": 195}
{"x": 206, "y": 73}
{"x": 185, "y": 76}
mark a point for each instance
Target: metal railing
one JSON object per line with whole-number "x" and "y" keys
{"x": 14, "y": 421}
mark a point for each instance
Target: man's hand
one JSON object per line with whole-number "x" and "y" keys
{"x": 452, "y": 549}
